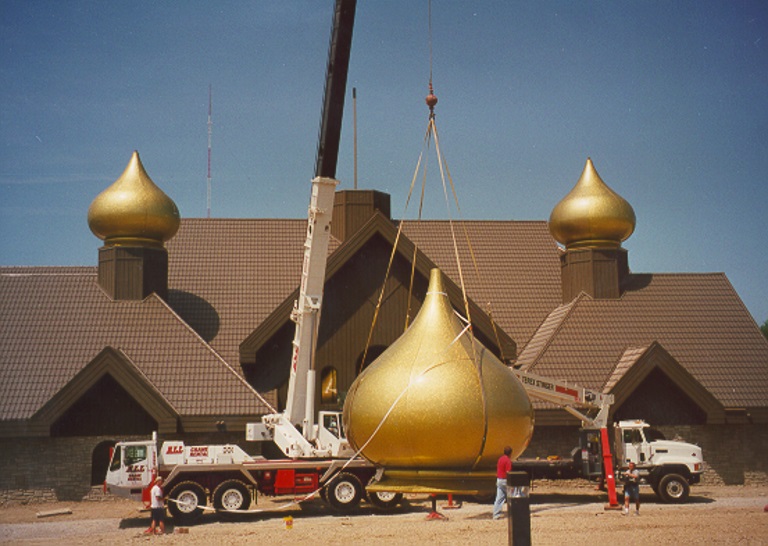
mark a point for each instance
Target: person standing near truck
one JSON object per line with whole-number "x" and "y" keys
{"x": 503, "y": 466}
{"x": 631, "y": 489}
{"x": 157, "y": 506}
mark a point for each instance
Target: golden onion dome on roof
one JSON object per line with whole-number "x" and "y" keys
{"x": 436, "y": 409}
{"x": 592, "y": 215}
{"x": 133, "y": 211}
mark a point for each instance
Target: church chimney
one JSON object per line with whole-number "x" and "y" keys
{"x": 353, "y": 208}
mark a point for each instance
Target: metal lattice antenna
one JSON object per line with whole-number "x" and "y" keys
{"x": 210, "y": 132}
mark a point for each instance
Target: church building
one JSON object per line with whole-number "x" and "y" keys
{"x": 183, "y": 327}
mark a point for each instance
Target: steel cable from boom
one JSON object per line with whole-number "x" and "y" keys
{"x": 431, "y": 135}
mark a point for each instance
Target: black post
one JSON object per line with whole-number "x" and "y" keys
{"x": 519, "y": 508}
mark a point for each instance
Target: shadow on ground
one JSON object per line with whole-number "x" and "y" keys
{"x": 273, "y": 511}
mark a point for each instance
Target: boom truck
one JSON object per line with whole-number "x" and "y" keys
{"x": 669, "y": 467}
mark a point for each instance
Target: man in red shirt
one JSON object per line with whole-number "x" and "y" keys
{"x": 503, "y": 466}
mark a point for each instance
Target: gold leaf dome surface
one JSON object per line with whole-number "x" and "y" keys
{"x": 436, "y": 399}
{"x": 133, "y": 210}
{"x": 592, "y": 214}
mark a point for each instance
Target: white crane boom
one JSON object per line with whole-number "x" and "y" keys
{"x": 300, "y": 403}
{"x": 569, "y": 396}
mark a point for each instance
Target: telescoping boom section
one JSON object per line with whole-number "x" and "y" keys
{"x": 294, "y": 430}
{"x": 572, "y": 398}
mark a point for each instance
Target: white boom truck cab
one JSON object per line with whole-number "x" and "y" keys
{"x": 670, "y": 467}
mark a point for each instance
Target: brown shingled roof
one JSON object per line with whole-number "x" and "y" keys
{"x": 698, "y": 319}
{"x": 518, "y": 264}
{"x": 378, "y": 225}
{"x": 227, "y": 275}
{"x": 61, "y": 316}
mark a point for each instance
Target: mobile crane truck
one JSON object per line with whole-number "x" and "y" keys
{"x": 669, "y": 467}
{"x": 318, "y": 455}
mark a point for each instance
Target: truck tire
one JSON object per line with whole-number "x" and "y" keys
{"x": 673, "y": 488}
{"x": 232, "y": 495}
{"x": 186, "y": 501}
{"x": 384, "y": 500}
{"x": 344, "y": 492}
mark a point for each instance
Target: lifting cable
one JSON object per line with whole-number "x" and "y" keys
{"x": 430, "y": 135}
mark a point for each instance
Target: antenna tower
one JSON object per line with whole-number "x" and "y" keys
{"x": 210, "y": 131}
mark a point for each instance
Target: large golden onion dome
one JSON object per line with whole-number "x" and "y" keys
{"x": 592, "y": 215}
{"x": 436, "y": 409}
{"x": 133, "y": 211}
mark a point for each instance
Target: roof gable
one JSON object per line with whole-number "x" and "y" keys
{"x": 637, "y": 363}
{"x": 115, "y": 363}
{"x": 68, "y": 320}
{"x": 226, "y": 276}
{"x": 698, "y": 319}
{"x": 512, "y": 265}
{"x": 377, "y": 226}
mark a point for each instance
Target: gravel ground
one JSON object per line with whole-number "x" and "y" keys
{"x": 561, "y": 513}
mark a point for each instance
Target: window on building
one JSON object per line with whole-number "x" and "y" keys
{"x": 329, "y": 393}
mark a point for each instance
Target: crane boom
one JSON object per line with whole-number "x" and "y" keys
{"x": 335, "y": 88}
{"x": 294, "y": 429}
{"x": 569, "y": 396}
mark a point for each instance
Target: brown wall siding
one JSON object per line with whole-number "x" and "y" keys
{"x": 597, "y": 272}
{"x": 353, "y": 208}
{"x": 345, "y": 325}
{"x": 345, "y": 329}
{"x": 128, "y": 273}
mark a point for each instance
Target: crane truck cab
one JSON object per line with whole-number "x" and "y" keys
{"x": 670, "y": 467}
{"x": 132, "y": 469}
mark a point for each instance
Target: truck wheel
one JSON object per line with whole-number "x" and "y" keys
{"x": 231, "y": 495}
{"x": 344, "y": 492}
{"x": 186, "y": 502}
{"x": 385, "y": 500}
{"x": 673, "y": 488}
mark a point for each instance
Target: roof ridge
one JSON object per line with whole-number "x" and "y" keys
{"x": 138, "y": 370}
{"x": 273, "y": 219}
{"x": 558, "y": 315}
{"x": 47, "y": 274}
{"x": 611, "y": 378}
{"x": 681, "y": 273}
{"x": 215, "y": 353}
{"x": 466, "y": 220}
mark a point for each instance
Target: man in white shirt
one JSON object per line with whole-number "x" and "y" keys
{"x": 157, "y": 506}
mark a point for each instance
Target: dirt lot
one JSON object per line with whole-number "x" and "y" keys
{"x": 570, "y": 513}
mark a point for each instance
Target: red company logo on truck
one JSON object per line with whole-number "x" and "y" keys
{"x": 174, "y": 450}
{"x": 200, "y": 451}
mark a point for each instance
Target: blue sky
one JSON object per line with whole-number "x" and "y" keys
{"x": 670, "y": 99}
